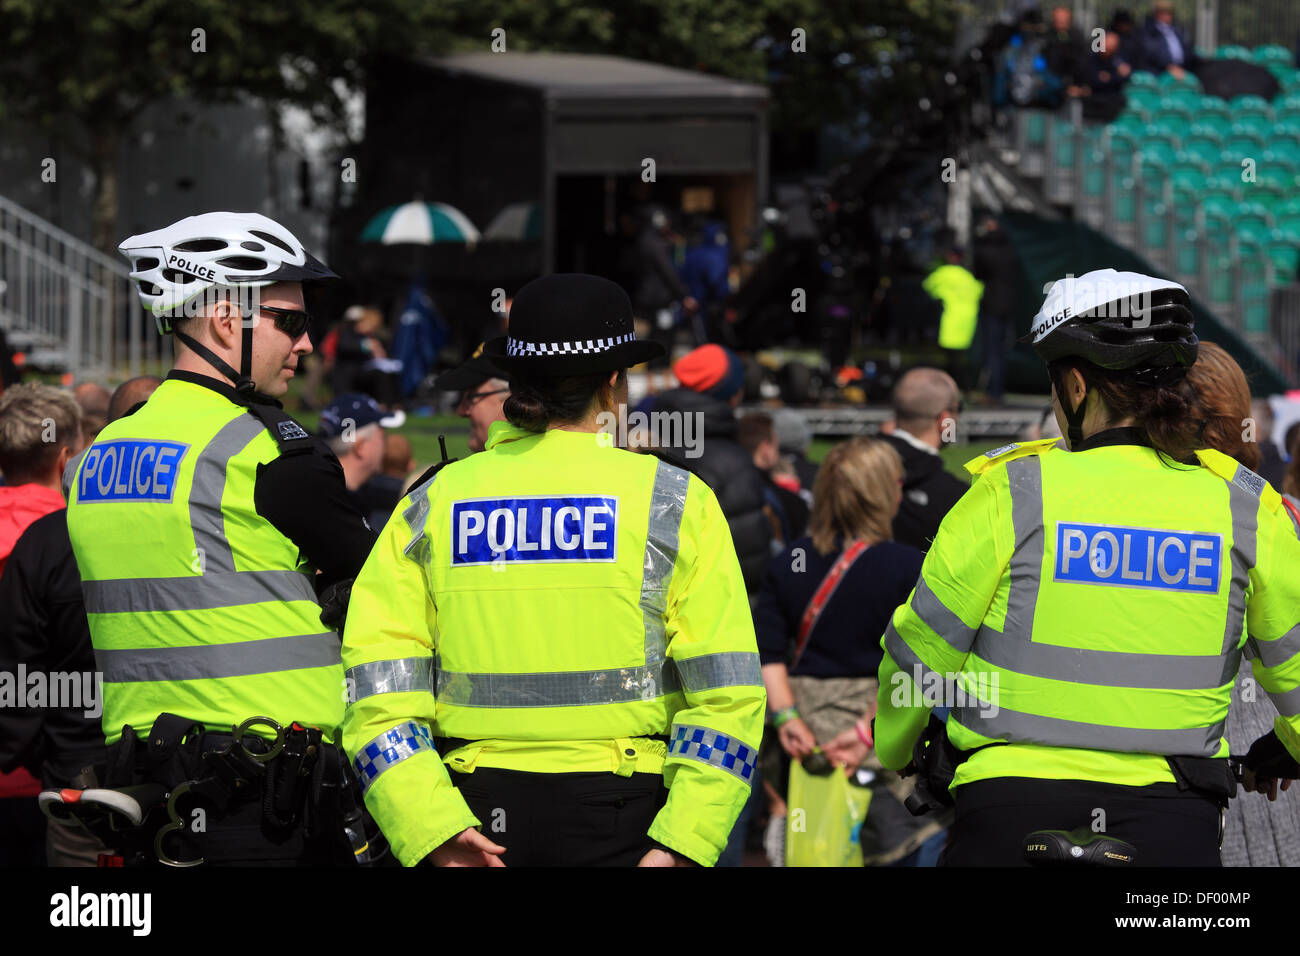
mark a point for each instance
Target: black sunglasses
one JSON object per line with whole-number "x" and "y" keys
{"x": 292, "y": 322}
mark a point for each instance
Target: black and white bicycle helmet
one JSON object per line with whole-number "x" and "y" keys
{"x": 173, "y": 265}
{"x": 1125, "y": 321}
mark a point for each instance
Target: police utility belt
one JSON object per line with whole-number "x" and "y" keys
{"x": 935, "y": 761}
{"x": 300, "y": 780}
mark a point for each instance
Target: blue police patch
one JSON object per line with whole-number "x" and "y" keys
{"x": 130, "y": 470}
{"x": 534, "y": 529}
{"x": 1138, "y": 557}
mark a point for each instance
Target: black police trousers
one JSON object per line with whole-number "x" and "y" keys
{"x": 564, "y": 819}
{"x": 1168, "y": 827}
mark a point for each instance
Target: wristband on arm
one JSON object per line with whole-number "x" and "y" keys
{"x": 784, "y": 716}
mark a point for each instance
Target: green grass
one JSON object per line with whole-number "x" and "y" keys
{"x": 423, "y": 434}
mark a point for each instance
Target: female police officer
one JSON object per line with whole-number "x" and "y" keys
{"x": 568, "y": 617}
{"x": 1083, "y": 611}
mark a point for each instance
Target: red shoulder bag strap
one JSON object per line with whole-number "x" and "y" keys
{"x": 823, "y": 595}
{"x": 1295, "y": 514}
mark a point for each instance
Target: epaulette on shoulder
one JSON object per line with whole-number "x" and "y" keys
{"x": 1006, "y": 453}
{"x": 1232, "y": 471}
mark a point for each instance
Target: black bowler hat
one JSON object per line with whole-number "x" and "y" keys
{"x": 570, "y": 324}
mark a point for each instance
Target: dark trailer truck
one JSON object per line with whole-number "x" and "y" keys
{"x": 569, "y": 141}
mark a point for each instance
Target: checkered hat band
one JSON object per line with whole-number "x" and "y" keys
{"x": 390, "y": 748}
{"x": 581, "y": 347}
{"x": 709, "y": 746}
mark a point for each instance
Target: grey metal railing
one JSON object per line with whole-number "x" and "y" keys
{"x": 68, "y": 306}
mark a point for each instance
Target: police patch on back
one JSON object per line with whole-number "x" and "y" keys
{"x": 1138, "y": 557}
{"x": 534, "y": 529}
{"x": 130, "y": 470}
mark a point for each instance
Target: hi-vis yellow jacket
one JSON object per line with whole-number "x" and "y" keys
{"x": 557, "y": 603}
{"x": 1090, "y": 609}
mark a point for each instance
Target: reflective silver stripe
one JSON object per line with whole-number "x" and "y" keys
{"x": 667, "y": 503}
{"x": 935, "y": 615}
{"x": 999, "y": 723}
{"x": 725, "y": 669}
{"x": 200, "y": 592}
{"x": 1273, "y": 653}
{"x": 416, "y": 515}
{"x": 903, "y": 655}
{"x": 1108, "y": 668}
{"x": 1245, "y": 520}
{"x": 1025, "y": 479}
{"x": 207, "y": 487}
{"x": 389, "y": 677}
{"x": 558, "y": 688}
{"x": 1287, "y": 702}
{"x": 408, "y": 739}
{"x": 199, "y": 662}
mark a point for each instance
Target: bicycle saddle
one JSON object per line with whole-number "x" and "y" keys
{"x": 1079, "y": 846}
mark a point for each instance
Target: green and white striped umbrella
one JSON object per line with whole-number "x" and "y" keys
{"x": 518, "y": 221}
{"x": 422, "y": 223}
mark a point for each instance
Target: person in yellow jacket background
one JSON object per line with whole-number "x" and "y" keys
{"x": 959, "y": 291}
{"x": 1084, "y": 607}
{"x": 560, "y": 623}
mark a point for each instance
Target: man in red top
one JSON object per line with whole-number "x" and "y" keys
{"x": 40, "y": 430}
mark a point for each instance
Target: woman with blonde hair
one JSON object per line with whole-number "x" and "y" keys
{"x": 824, "y": 603}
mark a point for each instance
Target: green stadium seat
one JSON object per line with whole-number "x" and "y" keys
{"x": 1283, "y": 140}
{"x": 1155, "y": 221}
{"x": 1203, "y": 150}
{"x": 1287, "y": 208}
{"x": 1094, "y": 173}
{"x": 1289, "y": 226}
{"x": 1245, "y": 144}
{"x": 1063, "y": 143}
{"x": 1213, "y": 106}
{"x": 1159, "y": 152}
{"x": 1261, "y": 126}
{"x": 1186, "y": 255}
{"x": 1252, "y": 214}
{"x": 1141, "y": 80}
{"x": 1243, "y": 106}
{"x": 1284, "y": 253}
{"x": 1272, "y": 54}
{"x": 1232, "y": 52}
{"x": 1035, "y": 126}
{"x": 1284, "y": 73}
{"x": 1188, "y": 81}
{"x": 1219, "y": 203}
{"x": 1189, "y": 177}
{"x": 1270, "y": 192}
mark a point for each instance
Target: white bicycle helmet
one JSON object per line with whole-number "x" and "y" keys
{"x": 173, "y": 265}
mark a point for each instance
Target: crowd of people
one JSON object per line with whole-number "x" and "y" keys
{"x": 829, "y": 555}
{"x": 1046, "y": 62}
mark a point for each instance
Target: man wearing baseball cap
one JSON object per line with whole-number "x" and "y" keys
{"x": 353, "y": 427}
{"x": 483, "y": 389}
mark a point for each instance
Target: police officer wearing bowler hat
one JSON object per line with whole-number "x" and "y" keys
{"x": 551, "y": 640}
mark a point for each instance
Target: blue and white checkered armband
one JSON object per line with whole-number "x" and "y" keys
{"x": 709, "y": 746}
{"x": 390, "y": 748}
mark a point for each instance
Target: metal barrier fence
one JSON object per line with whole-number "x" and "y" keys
{"x": 67, "y": 305}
